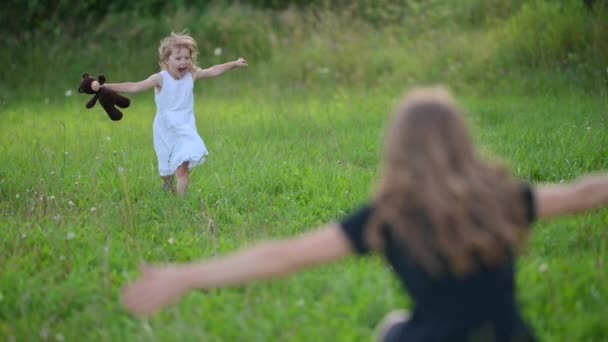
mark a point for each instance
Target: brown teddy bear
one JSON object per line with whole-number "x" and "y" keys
{"x": 107, "y": 98}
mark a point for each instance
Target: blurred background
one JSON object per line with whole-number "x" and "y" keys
{"x": 480, "y": 46}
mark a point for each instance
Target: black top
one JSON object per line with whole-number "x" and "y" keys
{"x": 477, "y": 306}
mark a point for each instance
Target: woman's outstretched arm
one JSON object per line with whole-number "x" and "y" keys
{"x": 585, "y": 193}
{"x": 162, "y": 285}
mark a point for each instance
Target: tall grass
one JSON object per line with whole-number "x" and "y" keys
{"x": 294, "y": 142}
{"x": 81, "y": 204}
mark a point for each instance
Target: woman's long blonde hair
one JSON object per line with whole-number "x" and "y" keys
{"x": 177, "y": 40}
{"x": 448, "y": 208}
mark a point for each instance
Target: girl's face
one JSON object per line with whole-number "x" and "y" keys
{"x": 179, "y": 62}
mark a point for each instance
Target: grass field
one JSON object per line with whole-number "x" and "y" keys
{"x": 81, "y": 205}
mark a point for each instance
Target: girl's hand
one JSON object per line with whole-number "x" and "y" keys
{"x": 158, "y": 287}
{"x": 95, "y": 86}
{"x": 241, "y": 62}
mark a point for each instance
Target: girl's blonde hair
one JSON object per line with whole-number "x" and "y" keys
{"x": 437, "y": 198}
{"x": 177, "y": 40}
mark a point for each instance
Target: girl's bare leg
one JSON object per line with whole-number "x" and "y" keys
{"x": 183, "y": 178}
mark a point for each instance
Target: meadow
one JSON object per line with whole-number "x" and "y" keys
{"x": 82, "y": 205}
{"x": 294, "y": 142}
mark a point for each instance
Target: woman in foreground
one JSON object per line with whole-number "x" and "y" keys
{"x": 448, "y": 222}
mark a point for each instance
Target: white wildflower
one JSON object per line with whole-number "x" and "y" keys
{"x": 52, "y": 197}
{"x": 543, "y": 267}
{"x": 44, "y": 334}
{"x": 108, "y": 138}
{"x": 146, "y": 326}
{"x": 70, "y": 203}
{"x": 217, "y": 51}
{"x": 93, "y": 209}
{"x": 68, "y": 93}
{"x": 71, "y": 235}
{"x": 171, "y": 240}
{"x": 121, "y": 169}
{"x": 17, "y": 196}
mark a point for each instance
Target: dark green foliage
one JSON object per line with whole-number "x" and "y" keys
{"x": 488, "y": 46}
{"x": 20, "y": 18}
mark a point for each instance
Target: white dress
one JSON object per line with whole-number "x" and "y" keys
{"x": 176, "y": 139}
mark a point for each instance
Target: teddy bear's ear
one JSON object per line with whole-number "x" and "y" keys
{"x": 85, "y": 75}
{"x": 102, "y": 79}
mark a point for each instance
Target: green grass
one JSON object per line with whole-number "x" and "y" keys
{"x": 81, "y": 205}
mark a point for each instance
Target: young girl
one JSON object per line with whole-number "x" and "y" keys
{"x": 178, "y": 145}
{"x": 448, "y": 222}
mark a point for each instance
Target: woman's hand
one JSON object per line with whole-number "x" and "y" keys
{"x": 158, "y": 287}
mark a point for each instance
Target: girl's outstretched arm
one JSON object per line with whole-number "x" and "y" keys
{"x": 219, "y": 69}
{"x": 135, "y": 87}
{"x": 585, "y": 193}
{"x": 163, "y": 285}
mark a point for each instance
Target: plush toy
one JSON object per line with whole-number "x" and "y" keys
{"x": 107, "y": 98}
